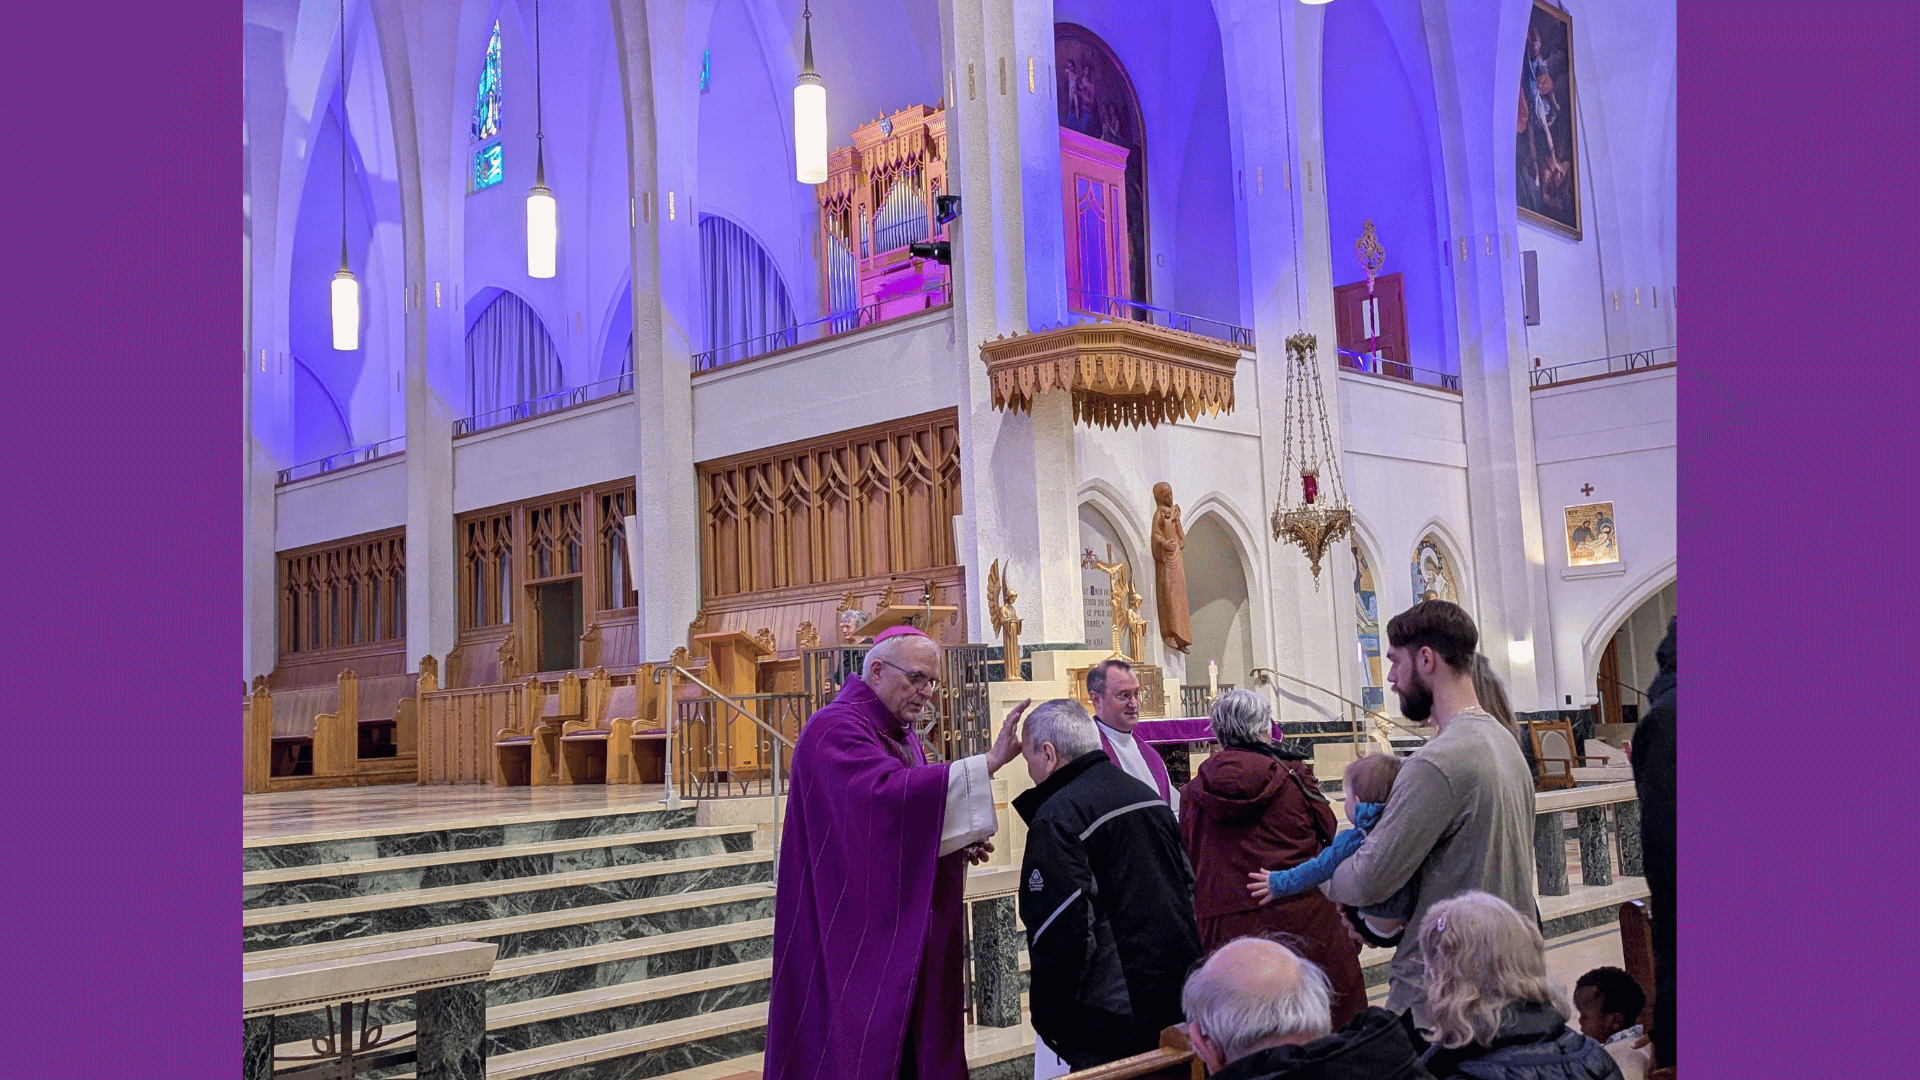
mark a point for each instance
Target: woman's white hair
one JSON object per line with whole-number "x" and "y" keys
{"x": 1241, "y": 716}
{"x": 1482, "y": 959}
{"x": 1063, "y": 722}
{"x": 1240, "y": 1020}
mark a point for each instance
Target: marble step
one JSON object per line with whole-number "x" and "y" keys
{"x": 613, "y": 967}
{"x": 584, "y": 921}
{"x": 655, "y": 1050}
{"x": 561, "y": 1018}
{"x": 493, "y": 830}
{"x": 533, "y": 1025}
{"x": 409, "y": 873}
{"x": 992, "y": 1054}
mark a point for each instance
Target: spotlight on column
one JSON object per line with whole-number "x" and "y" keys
{"x": 939, "y": 251}
{"x": 946, "y": 208}
{"x": 1520, "y": 652}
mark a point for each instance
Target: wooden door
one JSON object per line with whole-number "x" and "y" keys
{"x": 1610, "y": 684}
{"x": 1388, "y": 340}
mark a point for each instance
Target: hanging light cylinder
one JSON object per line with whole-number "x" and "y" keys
{"x": 345, "y": 292}
{"x": 346, "y": 306}
{"x": 543, "y": 226}
{"x": 810, "y": 116}
{"x": 543, "y": 214}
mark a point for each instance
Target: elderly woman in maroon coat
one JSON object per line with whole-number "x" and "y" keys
{"x": 1255, "y": 805}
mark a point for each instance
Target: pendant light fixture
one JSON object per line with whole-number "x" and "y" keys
{"x": 543, "y": 226}
{"x": 346, "y": 291}
{"x": 809, "y": 114}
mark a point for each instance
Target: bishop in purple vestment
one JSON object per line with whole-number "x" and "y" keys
{"x": 867, "y": 925}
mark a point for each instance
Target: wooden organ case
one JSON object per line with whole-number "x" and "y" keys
{"x": 879, "y": 198}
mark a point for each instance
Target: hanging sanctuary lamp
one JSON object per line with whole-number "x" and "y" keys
{"x": 543, "y": 223}
{"x": 1320, "y": 514}
{"x": 809, "y": 114}
{"x": 346, "y": 291}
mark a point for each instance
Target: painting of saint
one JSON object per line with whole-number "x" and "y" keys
{"x": 1432, "y": 576}
{"x": 1546, "y": 179}
{"x": 1096, "y": 98}
{"x": 1590, "y": 535}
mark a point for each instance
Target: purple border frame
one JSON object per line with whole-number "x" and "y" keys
{"x": 1798, "y": 169}
{"x": 121, "y": 471}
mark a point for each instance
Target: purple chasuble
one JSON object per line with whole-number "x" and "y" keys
{"x": 867, "y": 922}
{"x": 1147, "y": 754}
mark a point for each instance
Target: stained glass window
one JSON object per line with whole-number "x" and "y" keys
{"x": 486, "y": 167}
{"x": 486, "y": 98}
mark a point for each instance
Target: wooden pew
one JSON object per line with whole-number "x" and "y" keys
{"x": 487, "y": 662}
{"x": 527, "y": 753}
{"x": 1174, "y": 1059}
{"x": 614, "y": 645}
{"x": 353, "y": 731}
{"x": 622, "y": 739}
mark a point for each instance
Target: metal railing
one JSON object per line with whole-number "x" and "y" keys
{"x": 1197, "y": 701}
{"x": 357, "y": 456}
{"x": 956, "y": 723}
{"x": 818, "y": 329}
{"x": 1605, "y": 365}
{"x": 1381, "y": 722}
{"x": 1369, "y": 364}
{"x": 544, "y": 404}
{"x": 1081, "y": 302}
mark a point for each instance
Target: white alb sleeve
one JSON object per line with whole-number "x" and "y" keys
{"x": 970, "y": 814}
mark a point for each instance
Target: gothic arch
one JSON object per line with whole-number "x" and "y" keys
{"x": 1594, "y": 642}
{"x": 1462, "y": 570}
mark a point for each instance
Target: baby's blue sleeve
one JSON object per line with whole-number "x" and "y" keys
{"x": 1299, "y": 879}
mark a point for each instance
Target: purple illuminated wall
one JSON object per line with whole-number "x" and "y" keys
{"x": 1383, "y": 162}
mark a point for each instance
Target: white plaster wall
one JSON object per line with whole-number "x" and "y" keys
{"x": 1618, "y": 435}
{"x": 1405, "y": 468}
{"x": 1214, "y": 467}
{"x": 592, "y": 444}
{"x": 1624, "y": 70}
{"x": 897, "y": 369}
{"x": 363, "y": 499}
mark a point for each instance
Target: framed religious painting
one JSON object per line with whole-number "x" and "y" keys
{"x": 1546, "y": 174}
{"x": 1590, "y": 537}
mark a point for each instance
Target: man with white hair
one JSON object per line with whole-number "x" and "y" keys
{"x": 1256, "y": 1010}
{"x": 1105, "y": 893}
{"x": 868, "y": 919}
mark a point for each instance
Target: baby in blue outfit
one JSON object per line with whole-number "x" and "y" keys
{"x": 1367, "y": 784}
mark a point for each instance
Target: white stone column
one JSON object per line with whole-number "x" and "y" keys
{"x": 1508, "y": 561}
{"x": 1307, "y": 631}
{"x": 666, "y": 267}
{"x": 418, "y": 46}
{"x": 272, "y": 206}
{"x": 1022, "y": 473}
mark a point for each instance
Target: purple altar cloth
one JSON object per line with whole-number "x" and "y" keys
{"x": 1184, "y": 730}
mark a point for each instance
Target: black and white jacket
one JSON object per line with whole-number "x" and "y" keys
{"x": 1107, "y": 899}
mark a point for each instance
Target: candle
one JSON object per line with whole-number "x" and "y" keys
{"x": 1213, "y": 678}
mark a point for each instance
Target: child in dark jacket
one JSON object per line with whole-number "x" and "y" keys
{"x": 1367, "y": 783}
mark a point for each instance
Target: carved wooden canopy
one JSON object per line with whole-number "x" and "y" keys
{"x": 1121, "y": 374}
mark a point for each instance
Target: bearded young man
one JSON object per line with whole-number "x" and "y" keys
{"x": 1461, "y": 813}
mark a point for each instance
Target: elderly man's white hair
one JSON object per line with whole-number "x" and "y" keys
{"x": 1064, "y": 723}
{"x": 1253, "y": 993}
{"x": 893, "y": 649}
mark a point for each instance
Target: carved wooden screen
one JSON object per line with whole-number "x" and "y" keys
{"x": 874, "y": 501}
{"x": 348, "y": 593}
{"x": 553, "y": 539}
{"x": 486, "y": 570}
{"x": 616, "y": 578}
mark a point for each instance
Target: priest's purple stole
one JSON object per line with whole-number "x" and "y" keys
{"x": 868, "y": 937}
{"x": 1147, "y": 754}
